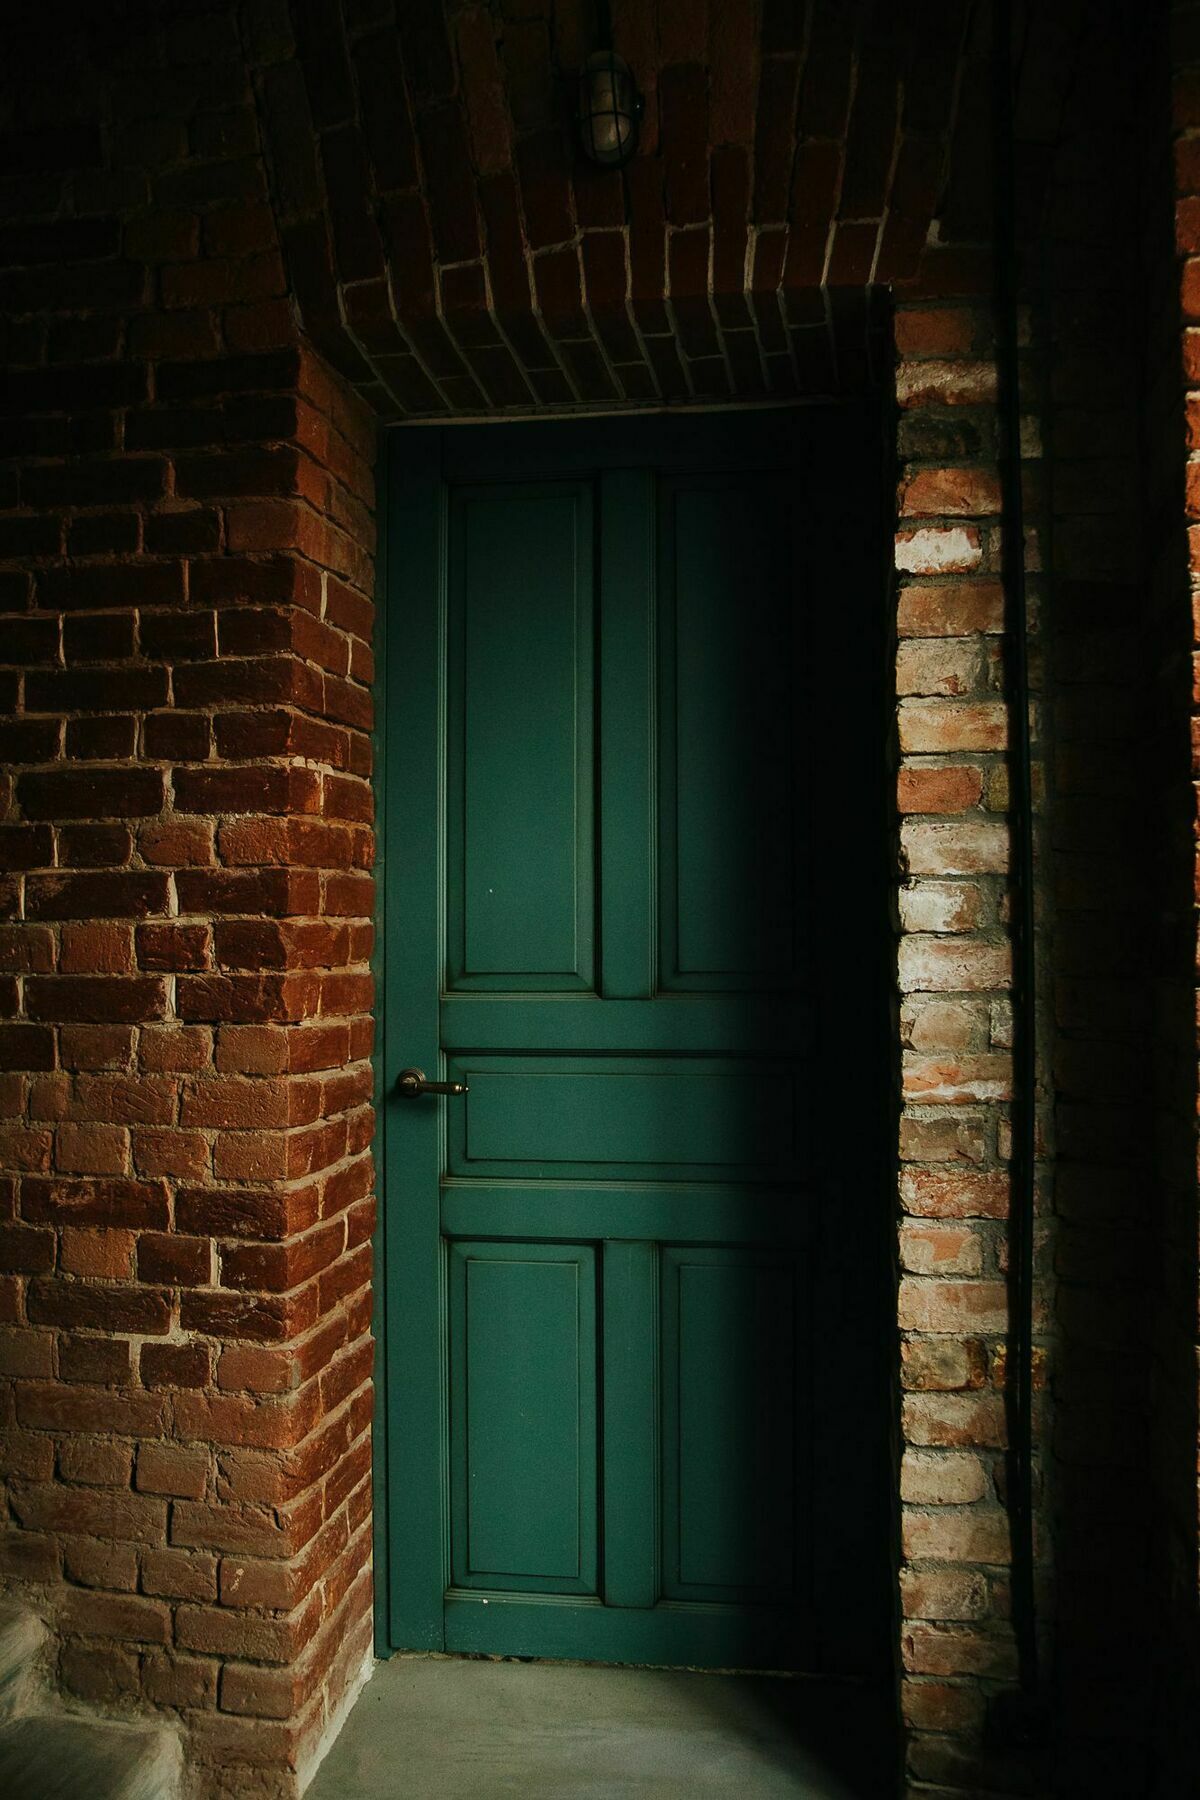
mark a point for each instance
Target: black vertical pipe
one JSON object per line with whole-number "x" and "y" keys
{"x": 1019, "y": 1368}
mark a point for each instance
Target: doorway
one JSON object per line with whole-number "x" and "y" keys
{"x": 636, "y": 864}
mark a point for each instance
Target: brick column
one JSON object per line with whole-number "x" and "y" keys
{"x": 954, "y": 973}
{"x": 185, "y": 838}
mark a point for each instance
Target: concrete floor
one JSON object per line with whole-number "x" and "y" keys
{"x": 437, "y": 1728}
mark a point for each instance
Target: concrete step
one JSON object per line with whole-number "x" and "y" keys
{"x": 60, "y": 1757}
{"x": 23, "y": 1638}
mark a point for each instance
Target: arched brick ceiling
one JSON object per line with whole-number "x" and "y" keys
{"x": 451, "y": 251}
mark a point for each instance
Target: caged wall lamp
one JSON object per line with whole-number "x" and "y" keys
{"x": 610, "y": 107}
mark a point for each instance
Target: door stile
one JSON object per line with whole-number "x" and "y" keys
{"x": 414, "y": 911}
{"x": 380, "y": 1487}
{"x": 626, "y": 686}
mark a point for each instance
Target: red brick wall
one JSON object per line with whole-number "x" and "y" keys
{"x": 186, "y": 842}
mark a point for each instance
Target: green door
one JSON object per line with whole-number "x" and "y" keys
{"x": 636, "y": 1405}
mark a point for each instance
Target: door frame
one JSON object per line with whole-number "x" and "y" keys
{"x": 387, "y": 1462}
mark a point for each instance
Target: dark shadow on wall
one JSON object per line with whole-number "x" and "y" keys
{"x": 1118, "y": 1234}
{"x": 1168, "y": 436}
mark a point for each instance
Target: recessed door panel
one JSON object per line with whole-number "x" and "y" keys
{"x": 519, "y": 752}
{"x": 624, "y": 1118}
{"x": 730, "y": 682}
{"x": 731, "y": 1507}
{"x": 523, "y": 1411}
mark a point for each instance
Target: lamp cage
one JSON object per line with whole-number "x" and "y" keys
{"x": 610, "y": 109}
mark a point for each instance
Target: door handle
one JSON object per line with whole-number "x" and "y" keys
{"x": 410, "y": 1083}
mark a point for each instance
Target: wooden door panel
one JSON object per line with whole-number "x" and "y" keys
{"x": 523, "y": 1410}
{"x": 624, "y": 1118}
{"x": 519, "y": 740}
{"x": 732, "y": 1525}
{"x": 730, "y": 828}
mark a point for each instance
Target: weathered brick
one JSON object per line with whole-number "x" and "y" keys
{"x": 955, "y": 493}
{"x": 120, "y": 1616}
{"x": 941, "y": 906}
{"x": 957, "y": 1081}
{"x": 93, "y": 1563}
{"x": 956, "y": 1534}
{"x": 945, "y": 331}
{"x": 938, "y": 665}
{"x": 940, "y": 1249}
{"x": 930, "y": 1022}
{"x": 100, "y": 949}
{"x": 955, "y": 847}
{"x": 180, "y": 1681}
{"x": 955, "y": 1420}
{"x": 172, "y": 1469}
{"x": 945, "y": 383}
{"x": 92, "y": 1149}
{"x": 942, "y": 1706}
{"x": 104, "y": 1360}
{"x": 109, "y": 1308}
{"x": 931, "y": 1304}
{"x": 179, "y": 1574}
{"x": 175, "y": 1365}
{"x": 128, "y": 1518}
{"x": 944, "y": 1594}
{"x": 934, "y": 1193}
{"x": 67, "y": 1200}
{"x": 96, "y": 1461}
{"x": 248, "y": 1368}
{"x": 174, "y": 1260}
{"x": 223, "y": 1632}
{"x": 932, "y": 964}
{"x": 943, "y": 1364}
{"x": 24, "y": 1249}
{"x": 102, "y": 1680}
{"x": 941, "y": 726}
{"x": 937, "y": 1650}
{"x": 27, "y": 1353}
{"x": 30, "y": 1457}
{"x": 939, "y": 550}
{"x": 95, "y": 998}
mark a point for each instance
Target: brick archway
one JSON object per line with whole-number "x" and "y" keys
{"x": 451, "y": 251}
